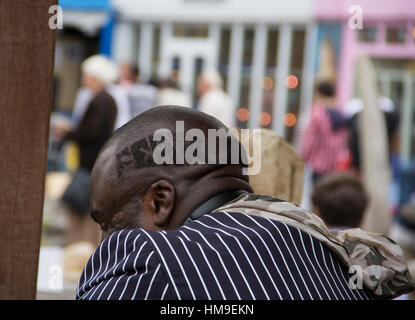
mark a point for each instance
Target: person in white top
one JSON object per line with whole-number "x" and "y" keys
{"x": 141, "y": 96}
{"x": 123, "y": 105}
{"x": 214, "y": 100}
{"x": 171, "y": 94}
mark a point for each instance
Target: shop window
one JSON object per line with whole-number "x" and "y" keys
{"x": 396, "y": 35}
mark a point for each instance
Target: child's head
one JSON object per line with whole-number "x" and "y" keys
{"x": 340, "y": 200}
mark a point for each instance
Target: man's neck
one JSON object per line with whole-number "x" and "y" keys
{"x": 214, "y": 203}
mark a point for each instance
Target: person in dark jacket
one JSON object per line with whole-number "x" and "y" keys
{"x": 353, "y": 111}
{"x": 91, "y": 134}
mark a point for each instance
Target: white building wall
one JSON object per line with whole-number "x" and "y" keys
{"x": 123, "y": 42}
{"x": 215, "y": 11}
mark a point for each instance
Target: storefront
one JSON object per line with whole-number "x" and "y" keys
{"x": 258, "y": 46}
{"x": 388, "y": 37}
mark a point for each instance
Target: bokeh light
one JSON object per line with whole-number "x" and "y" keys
{"x": 267, "y": 83}
{"x": 291, "y": 82}
{"x": 242, "y": 114}
{"x": 264, "y": 119}
{"x": 290, "y": 119}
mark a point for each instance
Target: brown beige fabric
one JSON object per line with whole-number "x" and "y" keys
{"x": 282, "y": 169}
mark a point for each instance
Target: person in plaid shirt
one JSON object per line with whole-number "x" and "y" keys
{"x": 324, "y": 145}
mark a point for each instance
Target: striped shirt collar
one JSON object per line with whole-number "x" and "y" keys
{"x": 213, "y": 203}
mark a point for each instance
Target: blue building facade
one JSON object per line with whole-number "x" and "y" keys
{"x": 105, "y": 34}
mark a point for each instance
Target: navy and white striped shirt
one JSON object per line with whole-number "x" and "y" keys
{"x": 223, "y": 255}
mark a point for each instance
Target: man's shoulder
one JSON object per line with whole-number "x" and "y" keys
{"x": 221, "y": 226}
{"x": 122, "y": 244}
{"x": 208, "y": 232}
{"x": 126, "y": 265}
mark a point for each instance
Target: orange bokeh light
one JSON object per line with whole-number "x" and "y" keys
{"x": 264, "y": 119}
{"x": 290, "y": 119}
{"x": 242, "y": 114}
{"x": 291, "y": 82}
{"x": 267, "y": 83}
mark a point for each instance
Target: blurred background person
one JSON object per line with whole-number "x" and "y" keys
{"x": 354, "y": 108}
{"x": 95, "y": 127}
{"x": 403, "y": 228}
{"x": 324, "y": 145}
{"x": 141, "y": 96}
{"x": 128, "y": 74}
{"x": 170, "y": 93}
{"x": 340, "y": 199}
{"x": 85, "y": 95}
{"x": 213, "y": 100}
{"x": 122, "y": 102}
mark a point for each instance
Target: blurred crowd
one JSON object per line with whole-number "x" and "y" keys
{"x": 328, "y": 138}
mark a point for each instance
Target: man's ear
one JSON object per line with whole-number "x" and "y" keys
{"x": 160, "y": 199}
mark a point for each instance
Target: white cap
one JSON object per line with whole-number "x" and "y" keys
{"x": 100, "y": 67}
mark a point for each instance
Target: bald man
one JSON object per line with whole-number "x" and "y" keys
{"x": 179, "y": 221}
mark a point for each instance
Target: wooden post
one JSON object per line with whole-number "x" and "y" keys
{"x": 27, "y": 46}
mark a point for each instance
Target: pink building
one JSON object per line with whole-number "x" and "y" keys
{"x": 388, "y": 37}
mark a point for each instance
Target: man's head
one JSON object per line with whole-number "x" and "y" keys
{"x": 130, "y": 189}
{"x": 340, "y": 200}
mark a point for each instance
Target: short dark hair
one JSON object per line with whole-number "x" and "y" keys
{"x": 326, "y": 89}
{"x": 341, "y": 199}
